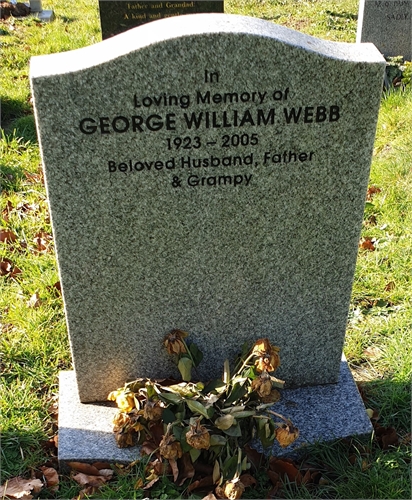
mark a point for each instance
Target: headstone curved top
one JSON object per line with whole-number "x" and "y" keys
{"x": 206, "y": 173}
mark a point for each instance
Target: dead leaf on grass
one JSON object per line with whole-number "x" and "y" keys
{"x": 386, "y": 436}
{"x": 367, "y": 244}
{"x": 42, "y": 241}
{"x": 89, "y": 480}
{"x": 52, "y": 478}
{"x": 7, "y": 268}
{"x": 286, "y": 467}
{"x": 20, "y": 488}
{"x": 372, "y": 190}
{"x": 7, "y": 236}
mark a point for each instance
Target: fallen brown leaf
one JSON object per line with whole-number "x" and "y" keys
{"x": 186, "y": 469}
{"x": 247, "y": 480}
{"x": 366, "y": 244}
{"x": 175, "y": 469}
{"x": 372, "y": 190}
{"x": 42, "y": 241}
{"x": 88, "y": 480}
{"x": 7, "y": 236}
{"x": 7, "y": 268}
{"x": 286, "y": 467}
{"x": 17, "y": 487}
{"x": 255, "y": 457}
{"x": 52, "y": 478}
{"x": 386, "y": 436}
{"x": 101, "y": 465}
{"x": 205, "y": 482}
{"x": 84, "y": 468}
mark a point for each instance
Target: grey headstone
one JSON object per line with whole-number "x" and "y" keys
{"x": 206, "y": 173}
{"x": 321, "y": 413}
{"x": 387, "y": 24}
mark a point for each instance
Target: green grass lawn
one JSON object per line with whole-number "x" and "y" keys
{"x": 34, "y": 343}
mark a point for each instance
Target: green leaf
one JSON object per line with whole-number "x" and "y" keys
{"x": 170, "y": 397}
{"x": 196, "y": 407}
{"x": 237, "y": 393}
{"x": 214, "y": 385}
{"x": 186, "y": 389}
{"x": 243, "y": 414}
{"x": 177, "y": 431}
{"x": 151, "y": 391}
{"x": 234, "y": 431}
{"x": 217, "y": 440}
{"x": 135, "y": 385}
{"x": 229, "y": 466}
{"x": 194, "y": 454}
{"x": 196, "y": 353}
{"x": 183, "y": 443}
{"x": 210, "y": 412}
{"x": 185, "y": 368}
{"x": 168, "y": 416}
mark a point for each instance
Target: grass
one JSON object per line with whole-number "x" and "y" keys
{"x": 34, "y": 343}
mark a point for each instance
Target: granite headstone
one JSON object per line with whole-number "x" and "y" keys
{"x": 206, "y": 172}
{"x": 387, "y": 24}
{"x": 117, "y": 16}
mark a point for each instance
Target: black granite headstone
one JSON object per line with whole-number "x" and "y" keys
{"x": 117, "y": 16}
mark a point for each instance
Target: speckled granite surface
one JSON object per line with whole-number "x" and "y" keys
{"x": 388, "y": 25}
{"x": 321, "y": 413}
{"x": 206, "y": 173}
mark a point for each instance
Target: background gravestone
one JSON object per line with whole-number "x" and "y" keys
{"x": 387, "y": 24}
{"x": 209, "y": 188}
{"x": 117, "y": 16}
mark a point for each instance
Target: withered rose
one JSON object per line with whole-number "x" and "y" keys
{"x": 170, "y": 448}
{"x": 262, "y": 385}
{"x": 153, "y": 411}
{"x": 286, "y": 434}
{"x": 198, "y": 437}
{"x": 174, "y": 342}
{"x": 124, "y": 400}
{"x": 268, "y": 356}
{"x": 233, "y": 489}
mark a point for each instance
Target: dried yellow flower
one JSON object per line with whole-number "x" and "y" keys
{"x": 124, "y": 400}
{"x": 268, "y": 356}
{"x": 198, "y": 437}
{"x": 174, "y": 342}
{"x": 170, "y": 448}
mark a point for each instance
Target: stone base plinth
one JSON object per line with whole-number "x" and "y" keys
{"x": 322, "y": 413}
